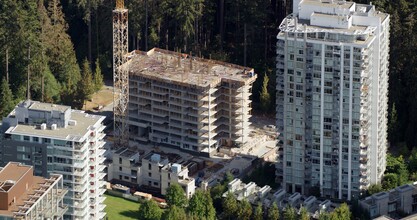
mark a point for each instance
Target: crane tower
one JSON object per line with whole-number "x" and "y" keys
{"x": 120, "y": 75}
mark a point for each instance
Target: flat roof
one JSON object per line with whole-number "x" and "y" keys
{"x": 187, "y": 70}
{"x": 329, "y": 3}
{"x": 13, "y": 171}
{"x": 404, "y": 188}
{"x": 48, "y": 107}
{"x": 23, "y": 197}
{"x": 124, "y": 152}
{"x": 70, "y": 133}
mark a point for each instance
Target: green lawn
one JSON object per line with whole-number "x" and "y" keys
{"x": 120, "y": 209}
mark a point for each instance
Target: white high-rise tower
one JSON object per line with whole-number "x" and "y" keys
{"x": 332, "y": 86}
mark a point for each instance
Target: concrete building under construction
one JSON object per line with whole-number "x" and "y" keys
{"x": 187, "y": 102}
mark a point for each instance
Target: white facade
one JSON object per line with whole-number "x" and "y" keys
{"x": 125, "y": 167}
{"x": 176, "y": 173}
{"x": 154, "y": 170}
{"x": 73, "y": 148}
{"x": 332, "y": 85}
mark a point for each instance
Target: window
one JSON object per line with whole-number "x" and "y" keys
{"x": 288, "y": 163}
{"x": 120, "y": 177}
{"x": 328, "y": 91}
{"x": 120, "y": 160}
{"x": 133, "y": 172}
{"x": 126, "y": 177}
{"x": 327, "y": 120}
{"x": 150, "y": 166}
{"x": 26, "y": 138}
{"x": 35, "y": 139}
{"x": 150, "y": 174}
{"x": 46, "y": 140}
{"x": 120, "y": 168}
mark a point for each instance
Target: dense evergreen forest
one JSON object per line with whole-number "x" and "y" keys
{"x": 60, "y": 42}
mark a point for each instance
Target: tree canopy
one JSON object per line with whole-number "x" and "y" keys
{"x": 176, "y": 196}
{"x": 175, "y": 213}
{"x": 230, "y": 206}
{"x": 201, "y": 205}
{"x": 149, "y": 210}
{"x": 273, "y": 212}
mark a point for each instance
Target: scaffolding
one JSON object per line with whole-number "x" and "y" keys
{"x": 120, "y": 75}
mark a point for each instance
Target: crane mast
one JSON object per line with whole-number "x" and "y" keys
{"x": 120, "y": 75}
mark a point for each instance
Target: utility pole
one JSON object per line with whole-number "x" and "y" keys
{"x": 120, "y": 75}
{"x": 146, "y": 25}
{"x": 244, "y": 45}
{"x": 7, "y": 65}
{"x": 89, "y": 32}
{"x": 43, "y": 77}
{"x": 28, "y": 76}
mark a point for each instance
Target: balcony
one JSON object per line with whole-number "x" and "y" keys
{"x": 80, "y": 147}
{"x": 80, "y": 196}
{"x": 97, "y": 201}
{"x": 80, "y": 213}
{"x": 79, "y": 172}
{"x": 101, "y": 191}
{"x": 80, "y": 165}
{"x": 101, "y": 215}
{"x": 79, "y": 189}
{"x": 80, "y": 204}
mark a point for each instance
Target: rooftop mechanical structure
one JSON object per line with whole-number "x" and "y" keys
{"x": 120, "y": 75}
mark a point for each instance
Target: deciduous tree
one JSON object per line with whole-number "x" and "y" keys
{"x": 258, "y": 213}
{"x": 175, "y": 213}
{"x": 230, "y": 206}
{"x": 245, "y": 210}
{"x": 304, "y": 214}
{"x": 176, "y": 196}
{"x": 289, "y": 213}
{"x": 341, "y": 213}
{"x": 149, "y": 210}
{"x": 273, "y": 212}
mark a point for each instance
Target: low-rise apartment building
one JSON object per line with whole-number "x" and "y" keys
{"x": 176, "y": 173}
{"x": 402, "y": 199}
{"x": 150, "y": 171}
{"x": 125, "y": 167}
{"x": 27, "y": 197}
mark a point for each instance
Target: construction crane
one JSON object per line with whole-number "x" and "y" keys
{"x": 120, "y": 75}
